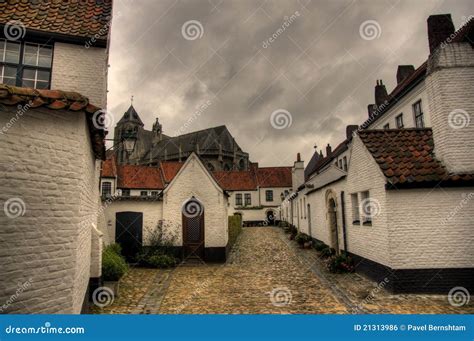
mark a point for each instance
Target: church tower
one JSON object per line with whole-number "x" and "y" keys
{"x": 129, "y": 123}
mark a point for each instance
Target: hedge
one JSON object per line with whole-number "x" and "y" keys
{"x": 235, "y": 227}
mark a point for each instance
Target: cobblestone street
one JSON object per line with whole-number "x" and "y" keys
{"x": 265, "y": 273}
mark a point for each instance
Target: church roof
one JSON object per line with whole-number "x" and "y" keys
{"x": 83, "y": 19}
{"x": 131, "y": 115}
{"x": 406, "y": 157}
{"x": 207, "y": 140}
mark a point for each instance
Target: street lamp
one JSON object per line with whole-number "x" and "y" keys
{"x": 129, "y": 141}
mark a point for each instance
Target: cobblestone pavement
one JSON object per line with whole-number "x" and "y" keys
{"x": 265, "y": 273}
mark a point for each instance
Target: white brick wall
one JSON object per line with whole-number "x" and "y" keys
{"x": 450, "y": 85}
{"x": 76, "y": 68}
{"x": 46, "y": 161}
{"x": 431, "y": 228}
{"x": 193, "y": 179}
{"x": 152, "y": 214}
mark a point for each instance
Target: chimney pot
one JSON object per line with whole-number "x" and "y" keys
{"x": 328, "y": 150}
{"x": 381, "y": 94}
{"x": 298, "y": 157}
{"x": 403, "y": 72}
{"x": 440, "y": 27}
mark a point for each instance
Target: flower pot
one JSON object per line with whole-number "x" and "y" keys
{"x": 114, "y": 286}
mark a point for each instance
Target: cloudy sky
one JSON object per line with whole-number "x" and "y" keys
{"x": 282, "y": 75}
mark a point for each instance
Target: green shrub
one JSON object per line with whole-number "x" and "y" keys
{"x": 327, "y": 252}
{"x": 114, "y": 265}
{"x": 319, "y": 246}
{"x": 235, "y": 227}
{"x": 161, "y": 261}
{"x": 116, "y": 248}
{"x": 302, "y": 238}
{"x": 283, "y": 224}
{"x": 340, "y": 264}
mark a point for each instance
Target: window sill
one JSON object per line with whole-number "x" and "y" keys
{"x": 367, "y": 223}
{"x": 356, "y": 222}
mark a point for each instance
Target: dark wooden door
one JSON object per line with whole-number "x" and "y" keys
{"x": 128, "y": 232}
{"x": 193, "y": 236}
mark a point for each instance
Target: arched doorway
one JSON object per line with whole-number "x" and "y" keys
{"x": 332, "y": 220}
{"x": 271, "y": 217}
{"x": 193, "y": 229}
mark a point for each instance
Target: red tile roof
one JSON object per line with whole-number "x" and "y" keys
{"x": 58, "y": 100}
{"x": 85, "y": 18}
{"x": 109, "y": 170}
{"x": 139, "y": 177}
{"x": 406, "y": 157}
{"x": 235, "y": 180}
{"x": 274, "y": 177}
{"x": 169, "y": 169}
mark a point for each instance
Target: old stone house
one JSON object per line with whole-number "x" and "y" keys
{"x": 397, "y": 194}
{"x": 51, "y": 146}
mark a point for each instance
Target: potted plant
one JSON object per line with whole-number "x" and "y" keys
{"x": 114, "y": 267}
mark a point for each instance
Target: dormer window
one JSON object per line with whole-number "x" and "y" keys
{"x": 25, "y": 64}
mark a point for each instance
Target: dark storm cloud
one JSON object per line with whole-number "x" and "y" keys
{"x": 318, "y": 67}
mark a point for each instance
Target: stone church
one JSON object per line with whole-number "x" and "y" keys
{"x": 215, "y": 146}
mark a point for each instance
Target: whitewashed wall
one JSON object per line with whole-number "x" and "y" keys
{"x": 152, "y": 214}
{"x": 431, "y": 228}
{"x": 194, "y": 180}
{"x": 47, "y": 163}
{"x": 76, "y": 68}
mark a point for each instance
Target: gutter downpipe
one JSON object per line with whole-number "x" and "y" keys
{"x": 344, "y": 234}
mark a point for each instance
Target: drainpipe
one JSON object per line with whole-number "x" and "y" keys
{"x": 344, "y": 235}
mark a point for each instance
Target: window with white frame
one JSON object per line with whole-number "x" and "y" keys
{"x": 248, "y": 199}
{"x": 366, "y": 208}
{"x": 399, "y": 121}
{"x": 143, "y": 193}
{"x": 304, "y": 205}
{"x": 387, "y": 126}
{"x": 418, "y": 113}
{"x": 106, "y": 188}
{"x": 355, "y": 209}
{"x": 238, "y": 199}
{"x": 344, "y": 160}
{"x": 269, "y": 195}
{"x": 155, "y": 193}
{"x": 25, "y": 64}
{"x": 125, "y": 192}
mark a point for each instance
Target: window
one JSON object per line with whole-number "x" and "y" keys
{"x": 355, "y": 209}
{"x": 248, "y": 199}
{"x": 340, "y": 164}
{"x": 301, "y": 208}
{"x": 345, "y": 163}
{"x": 143, "y": 193}
{"x": 399, "y": 121}
{"x": 25, "y": 64}
{"x": 366, "y": 208}
{"x": 106, "y": 188}
{"x": 154, "y": 193}
{"x": 125, "y": 192}
{"x": 418, "y": 112}
{"x": 387, "y": 126}
{"x": 269, "y": 195}
{"x": 238, "y": 199}
{"x": 304, "y": 205}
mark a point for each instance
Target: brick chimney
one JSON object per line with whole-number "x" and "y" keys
{"x": 403, "y": 72}
{"x": 371, "y": 109}
{"x": 350, "y": 129}
{"x": 440, "y": 27}
{"x": 297, "y": 173}
{"x": 328, "y": 150}
{"x": 381, "y": 94}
